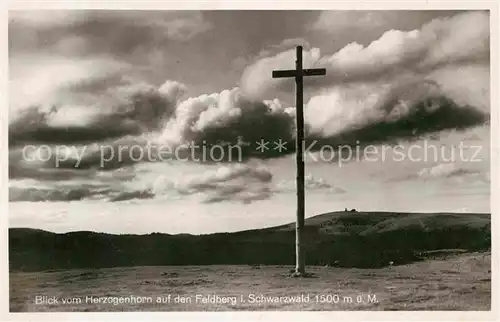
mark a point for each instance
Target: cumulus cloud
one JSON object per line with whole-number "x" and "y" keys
{"x": 340, "y": 22}
{"x": 472, "y": 87}
{"x": 68, "y": 184}
{"x": 379, "y": 93}
{"x": 272, "y": 50}
{"x": 122, "y": 110}
{"x": 401, "y": 85}
{"x": 224, "y": 174}
{"x": 173, "y": 89}
{"x": 239, "y": 182}
{"x": 235, "y": 182}
{"x": 224, "y": 117}
{"x": 460, "y": 172}
{"x": 48, "y": 194}
{"x": 311, "y": 183}
{"x": 101, "y": 126}
{"x": 232, "y": 182}
{"x": 40, "y": 81}
{"x": 256, "y": 79}
{"x": 461, "y": 39}
{"x": 442, "y": 170}
{"x": 154, "y": 118}
{"x": 412, "y": 104}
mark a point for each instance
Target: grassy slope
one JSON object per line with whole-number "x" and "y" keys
{"x": 362, "y": 239}
{"x": 455, "y": 283}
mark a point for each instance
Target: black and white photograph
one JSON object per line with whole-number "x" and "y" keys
{"x": 166, "y": 160}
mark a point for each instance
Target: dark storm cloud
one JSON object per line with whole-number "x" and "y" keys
{"x": 140, "y": 109}
{"x": 92, "y": 32}
{"x": 405, "y": 110}
{"x": 229, "y": 119}
{"x": 342, "y": 112}
{"x": 426, "y": 115}
{"x": 422, "y": 119}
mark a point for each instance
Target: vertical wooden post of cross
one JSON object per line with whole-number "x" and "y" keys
{"x": 298, "y": 73}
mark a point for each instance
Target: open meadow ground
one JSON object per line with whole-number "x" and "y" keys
{"x": 359, "y": 261}
{"x": 460, "y": 282}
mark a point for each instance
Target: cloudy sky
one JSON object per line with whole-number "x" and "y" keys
{"x": 85, "y": 85}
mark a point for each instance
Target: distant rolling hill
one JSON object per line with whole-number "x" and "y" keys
{"x": 345, "y": 239}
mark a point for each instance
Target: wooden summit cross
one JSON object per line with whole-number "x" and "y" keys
{"x": 299, "y": 74}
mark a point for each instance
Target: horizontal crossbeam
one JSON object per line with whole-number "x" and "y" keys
{"x": 284, "y": 73}
{"x": 314, "y": 72}
{"x": 293, "y": 72}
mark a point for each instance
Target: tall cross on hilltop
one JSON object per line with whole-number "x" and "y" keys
{"x": 298, "y": 73}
